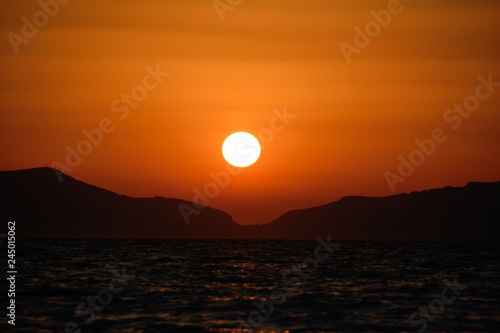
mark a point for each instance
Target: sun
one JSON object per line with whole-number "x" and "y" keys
{"x": 241, "y": 149}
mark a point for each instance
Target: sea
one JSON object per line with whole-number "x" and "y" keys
{"x": 322, "y": 285}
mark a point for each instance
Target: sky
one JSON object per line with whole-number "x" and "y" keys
{"x": 366, "y": 98}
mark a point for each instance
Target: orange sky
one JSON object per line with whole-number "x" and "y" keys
{"x": 351, "y": 119}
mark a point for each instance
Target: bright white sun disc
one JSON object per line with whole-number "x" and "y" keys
{"x": 241, "y": 149}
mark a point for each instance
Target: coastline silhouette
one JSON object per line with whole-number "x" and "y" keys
{"x": 47, "y": 208}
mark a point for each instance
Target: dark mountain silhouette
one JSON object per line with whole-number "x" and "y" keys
{"x": 44, "y": 206}
{"x": 470, "y": 213}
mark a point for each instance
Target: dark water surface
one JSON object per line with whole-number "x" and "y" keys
{"x": 220, "y": 285}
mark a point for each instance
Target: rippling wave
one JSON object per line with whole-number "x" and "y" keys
{"x": 214, "y": 286}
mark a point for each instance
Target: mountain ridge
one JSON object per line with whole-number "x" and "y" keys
{"x": 51, "y": 204}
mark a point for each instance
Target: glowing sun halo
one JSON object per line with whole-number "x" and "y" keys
{"x": 241, "y": 149}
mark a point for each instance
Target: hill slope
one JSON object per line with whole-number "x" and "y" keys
{"x": 45, "y": 207}
{"x": 451, "y": 213}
